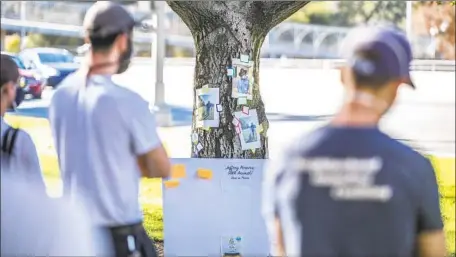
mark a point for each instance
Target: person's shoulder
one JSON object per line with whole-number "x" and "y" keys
{"x": 23, "y": 138}
{"x": 403, "y": 151}
{"x": 68, "y": 84}
{"x": 306, "y": 142}
{"x": 124, "y": 95}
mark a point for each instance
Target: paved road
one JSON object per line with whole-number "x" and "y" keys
{"x": 298, "y": 100}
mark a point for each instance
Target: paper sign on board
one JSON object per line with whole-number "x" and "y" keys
{"x": 178, "y": 171}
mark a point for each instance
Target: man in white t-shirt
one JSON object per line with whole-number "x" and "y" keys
{"x": 105, "y": 135}
{"x": 18, "y": 152}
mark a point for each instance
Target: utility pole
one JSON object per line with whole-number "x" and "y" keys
{"x": 162, "y": 110}
{"x": 23, "y": 18}
{"x": 409, "y": 20}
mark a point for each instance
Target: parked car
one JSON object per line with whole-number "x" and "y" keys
{"x": 31, "y": 82}
{"x": 53, "y": 63}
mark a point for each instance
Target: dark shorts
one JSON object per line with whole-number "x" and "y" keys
{"x": 132, "y": 241}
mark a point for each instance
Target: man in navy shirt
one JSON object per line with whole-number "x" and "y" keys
{"x": 348, "y": 189}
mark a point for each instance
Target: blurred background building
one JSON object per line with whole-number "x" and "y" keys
{"x": 313, "y": 32}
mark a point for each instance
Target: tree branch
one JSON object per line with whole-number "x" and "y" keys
{"x": 195, "y": 13}
{"x": 274, "y": 12}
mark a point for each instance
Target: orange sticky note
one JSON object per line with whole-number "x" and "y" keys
{"x": 178, "y": 171}
{"x": 171, "y": 183}
{"x": 204, "y": 173}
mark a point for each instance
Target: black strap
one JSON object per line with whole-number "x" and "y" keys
{"x": 9, "y": 140}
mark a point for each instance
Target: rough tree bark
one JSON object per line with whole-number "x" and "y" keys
{"x": 222, "y": 31}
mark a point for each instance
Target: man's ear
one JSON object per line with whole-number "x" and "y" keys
{"x": 343, "y": 75}
{"x": 9, "y": 86}
{"x": 122, "y": 41}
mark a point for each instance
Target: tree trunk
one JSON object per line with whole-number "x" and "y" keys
{"x": 222, "y": 31}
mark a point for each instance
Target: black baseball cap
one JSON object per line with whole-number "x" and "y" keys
{"x": 106, "y": 18}
{"x": 391, "y": 46}
{"x": 9, "y": 70}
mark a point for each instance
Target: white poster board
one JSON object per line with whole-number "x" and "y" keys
{"x": 212, "y": 205}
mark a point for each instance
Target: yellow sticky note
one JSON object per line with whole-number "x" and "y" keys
{"x": 204, "y": 90}
{"x": 199, "y": 111}
{"x": 204, "y": 173}
{"x": 178, "y": 171}
{"x": 171, "y": 183}
{"x": 260, "y": 128}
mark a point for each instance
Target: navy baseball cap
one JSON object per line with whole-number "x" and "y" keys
{"x": 105, "y": 18}
{"x": 389, "y": 44}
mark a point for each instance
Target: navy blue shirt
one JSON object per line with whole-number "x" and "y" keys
{"x": 344, "y": 191}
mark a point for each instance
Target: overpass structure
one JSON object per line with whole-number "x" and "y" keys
{"x": 287, "y": 39}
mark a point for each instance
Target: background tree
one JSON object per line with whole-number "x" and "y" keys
{"x": 223, "y": 30}
{"x": 351, "y": 13}
{"x": 13, "y": 43}
{"x": 439, "y": 20}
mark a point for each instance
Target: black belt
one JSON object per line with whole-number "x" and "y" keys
{"x": 130, "y": 229}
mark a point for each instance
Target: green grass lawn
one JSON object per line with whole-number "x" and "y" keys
{"x": 151, "y": 193}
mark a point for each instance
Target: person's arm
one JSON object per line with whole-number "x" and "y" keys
{"x": 431, "y": 237}
{"x": 152, "y": 158}
{"x": 54, "y": 124}
{"x": 30, "y": 161}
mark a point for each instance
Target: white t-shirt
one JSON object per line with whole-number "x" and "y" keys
{"x": 23, "y": 161}
{"x": 99, "y": 130}
{"x": 33, "y": 224}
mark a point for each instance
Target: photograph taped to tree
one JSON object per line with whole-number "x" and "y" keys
{"x": 242, "y": 79}
{"x": 249, "y": 136}
{"x": 206, "y": 101}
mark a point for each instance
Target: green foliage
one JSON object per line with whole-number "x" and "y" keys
{"x": 351, "y": 13}
{"x": 36, "y": 40}
{"x": 453, "y": 3}
{"x": 314, "y": 13}
{"x": 153, "y": 221}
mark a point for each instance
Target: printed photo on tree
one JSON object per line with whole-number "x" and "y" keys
{"x": 206, "y": 107}
{"x": 242, "y": 79}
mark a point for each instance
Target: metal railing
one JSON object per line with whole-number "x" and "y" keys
{"x": 417, "y": 65}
